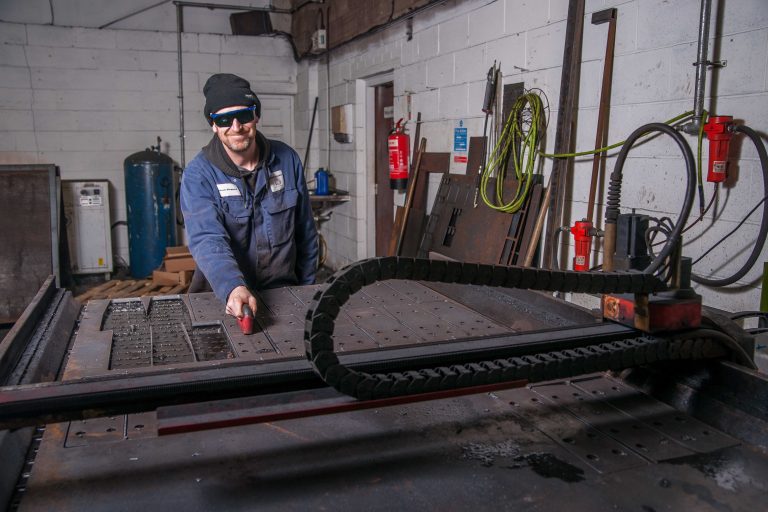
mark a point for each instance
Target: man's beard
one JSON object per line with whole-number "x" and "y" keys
{"x": 237, "y": 147}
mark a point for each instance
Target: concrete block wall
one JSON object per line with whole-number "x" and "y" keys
{"x": 85, "y": 99}
{"x": 443, "y": 66}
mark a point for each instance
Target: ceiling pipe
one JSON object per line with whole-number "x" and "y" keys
{"x": 233, "y": 7}
{"x": 208, "y": 6}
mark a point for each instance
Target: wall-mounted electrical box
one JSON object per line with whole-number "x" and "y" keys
{"x": 342, "y": 122}
{"x": 319, "y": 41}
{"x": 86, "y": 215}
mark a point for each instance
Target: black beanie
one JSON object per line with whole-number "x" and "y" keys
{"x": 227, "y": 90}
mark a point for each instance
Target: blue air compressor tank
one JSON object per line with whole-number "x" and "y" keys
{"x": 151, "y": 207}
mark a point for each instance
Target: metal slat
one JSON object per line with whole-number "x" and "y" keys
{"x": 602, "y": 453}
{"x": 685, "y": 430}
{"x": 426, "y": 325}
{"x": 465, "y": 320}
{"x": 382, "y": 327}
{"x": 619, "y": 425}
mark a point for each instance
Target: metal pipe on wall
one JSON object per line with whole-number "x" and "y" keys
{"x": 701, "y": 68}
{"x": 179, "y": 30}
{"x": 233, "y": 7}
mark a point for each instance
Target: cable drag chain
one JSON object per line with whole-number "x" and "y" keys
{"x": 616, "y": 355}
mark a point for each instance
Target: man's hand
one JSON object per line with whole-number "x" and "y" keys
{"x": 237, "y": 298}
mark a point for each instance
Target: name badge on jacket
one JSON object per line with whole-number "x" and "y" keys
{"x": 276, "y": 182}
{"x": 228, "y": 189}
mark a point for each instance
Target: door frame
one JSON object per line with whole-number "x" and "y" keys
{"x": 366, "y": 158}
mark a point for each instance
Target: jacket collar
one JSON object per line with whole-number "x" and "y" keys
{"x": 216, "y": 154}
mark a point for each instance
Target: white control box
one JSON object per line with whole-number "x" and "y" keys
{"x": 89, "y": 234}
{"x": 319, "y": 41}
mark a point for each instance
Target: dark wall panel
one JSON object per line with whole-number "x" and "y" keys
{"x": 29, "y": 227}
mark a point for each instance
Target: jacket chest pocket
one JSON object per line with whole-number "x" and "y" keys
{"x": 280, "y": 215}
{"x": 237, "y": 219}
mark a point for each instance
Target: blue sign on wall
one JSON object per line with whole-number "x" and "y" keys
{"x": 460, "y": 138}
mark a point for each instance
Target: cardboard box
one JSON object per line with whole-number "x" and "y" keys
{"x": 179, "y": 264}
{"x": 185, "y": 277}
{"x": 167, "y": 278}
{"x": 172, "y": 278}
{"x": 175, "y": 251}
{"x": 178, "y": 259}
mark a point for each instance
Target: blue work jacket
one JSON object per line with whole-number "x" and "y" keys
{"x": 260, "y": 238}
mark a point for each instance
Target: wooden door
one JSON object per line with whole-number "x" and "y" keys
{"x": 384, "y": 122}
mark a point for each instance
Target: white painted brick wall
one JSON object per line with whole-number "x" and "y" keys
{"x": 444, "y": 68}
{"x": 453, "y": 34}
{"x": 85, "y": 99}
{"x": 653, "y": 80}
{"x": 486, "y": 23}
{"x": 440, "y": 71}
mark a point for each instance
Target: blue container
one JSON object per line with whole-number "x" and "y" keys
{"x": 151, "y": 209}
{"x": 321, "y": 182}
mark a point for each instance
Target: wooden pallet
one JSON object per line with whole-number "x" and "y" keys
{"x": 121, "y": 289}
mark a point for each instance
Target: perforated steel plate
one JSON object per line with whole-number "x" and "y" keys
{"x": 161, "y": 335}
{"x": 188, "y": 330}
{"x": 658, "y": 416}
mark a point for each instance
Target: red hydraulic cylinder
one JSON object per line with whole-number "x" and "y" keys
{"x": 719, "y": 133}
{"x": 582, "y": 232}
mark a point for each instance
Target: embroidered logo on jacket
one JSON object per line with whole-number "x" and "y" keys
{"x": 276, "y": 182}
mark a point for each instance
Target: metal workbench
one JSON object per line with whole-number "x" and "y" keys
{"x": 637, "y": 441}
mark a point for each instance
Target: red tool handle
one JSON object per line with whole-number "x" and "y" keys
{"x": 246, "y": 322}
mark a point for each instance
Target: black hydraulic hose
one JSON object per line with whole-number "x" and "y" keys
{"x": 761, "y": 236}
{"x": 614, "y": 189}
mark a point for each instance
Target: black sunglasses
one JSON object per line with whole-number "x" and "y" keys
{"x": 243, "y": 116}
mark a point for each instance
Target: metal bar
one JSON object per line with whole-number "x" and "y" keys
{"x": 282, "y": 406}
{"x": 598, "y": 18}
{"x": 309, "y": 138}
{"x": 105, "y": 396}
{"x": 409, "y": 196}
{"x": 54, "y": 184}
{"x": 537, "y": 228}
{"x": 701, "y": 67}
{"x": 12, "y": 346}
{"x": 179, "y": 30}
{"x": 232, "y": 7}
{"x": 417, "y": 136}
{"x": 609, "y": 246}
{"x": 44, "y": 346}
{"x": 134, "y": 13}
{"x": 568, "y": 104}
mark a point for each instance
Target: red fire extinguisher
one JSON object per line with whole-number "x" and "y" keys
{"x": 398, "y": 142}
{"x": 719, "y": 132}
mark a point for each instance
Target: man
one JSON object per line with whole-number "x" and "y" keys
{"x": 245, "y": 203}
